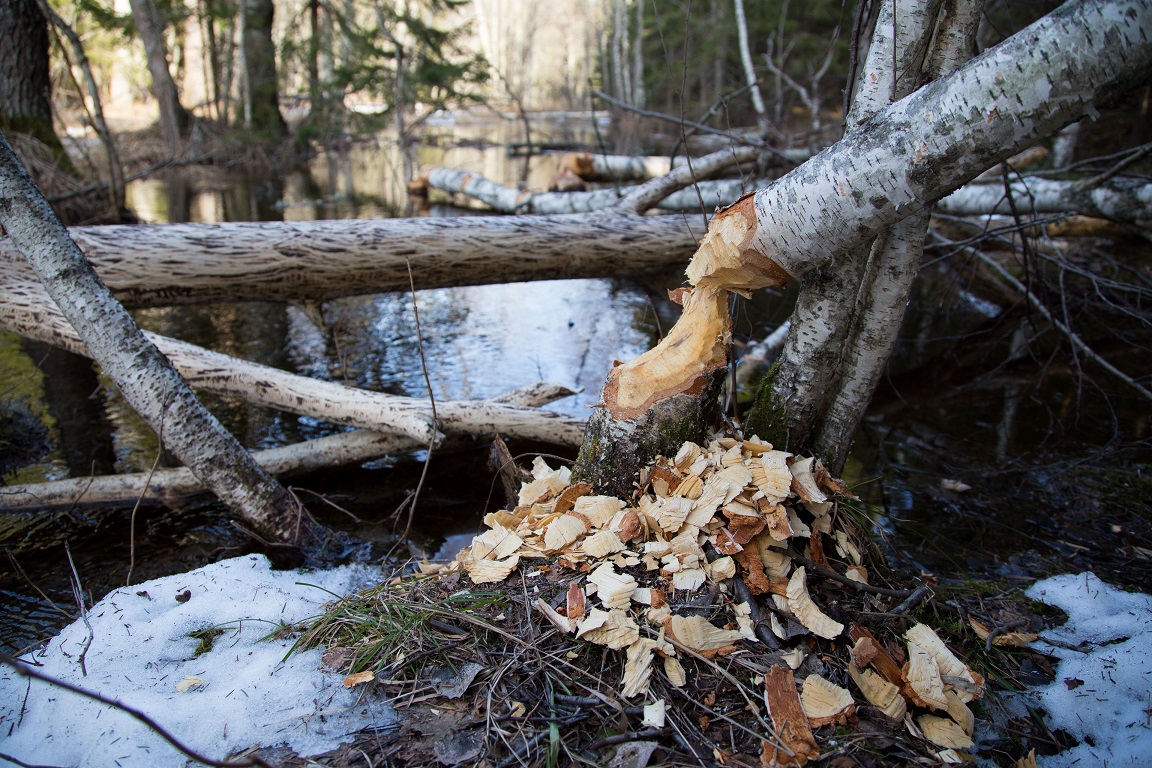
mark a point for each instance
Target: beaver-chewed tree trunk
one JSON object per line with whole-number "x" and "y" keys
{"x": 908, "y": 156}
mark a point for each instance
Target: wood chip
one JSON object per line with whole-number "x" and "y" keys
{"x": 597, "y": 510}
{"x": 770, "y": 475}
{"x": 569, "y": 495}
{"x": 720, "y": 569}
{"x": 637, "y": 668}
{"x": 1004, "y": 640}
{"x": 654, "y": 714}
{"x": 959, "y": 711}
{"x": 563, "y": 531}
{"x": 614, "y": 629}
{"x": 805, "y": 610}
{"x": 496, "y": 543}
{"x": 879, "y": 692}
{"x": 674, "y": 671}
{"x": 701, "y": 636}
{"x": 946, "y": 661}
{"x": 490, "y": 571}
{"x": 614, "y": 589}
{"x": 804, "y": 482}
{"x": 601, "y": 544}
{"x": 576, "y": 602}
{"x": 824, "y": 702}
{"x": 943, "y": 732}
{"x": 923, "y": 676}
{"x": 788, "y": 719}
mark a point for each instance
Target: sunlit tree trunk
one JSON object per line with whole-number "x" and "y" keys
{"x": 143, "y": 375}
{"x": 892, "y": 167}
{"x": 174, "y": 119}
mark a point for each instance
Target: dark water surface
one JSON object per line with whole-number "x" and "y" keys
{"x": 1057, "y": 463}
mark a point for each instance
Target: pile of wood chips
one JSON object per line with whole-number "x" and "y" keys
{"x": 735, "y": 511}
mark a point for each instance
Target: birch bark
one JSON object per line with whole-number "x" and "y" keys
{"x": 143, "y": 375}
{"x": 893, "y": 166}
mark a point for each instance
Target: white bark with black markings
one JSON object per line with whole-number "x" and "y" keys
{"x": 144, "y": 376}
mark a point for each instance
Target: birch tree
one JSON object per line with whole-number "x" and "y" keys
{"x": 144, "y": 376}
{"x": 889, "y": 168}
{"x": 174, "y": 118}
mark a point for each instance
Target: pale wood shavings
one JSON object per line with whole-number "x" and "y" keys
{"x": 649, "y": 596}
{"x": 923, "y": 676}
{"x": 720, "y": 569}
{"x": 744, "y": 625}
{"x": 614, "y": 629}
{"x": 799, "y": 527}
{"x": 804, "y": 483}
{"x": 946, "y": 661}
{"x": 701, "y": 636}
{"x": 687, "y": 454}
{"x": 496, "y": 543}
{"x": 614, "y": 589}
{"x": 626, "y": 525}
{"x": 788, "y": 719}
{"x": 689, "y": 579}
{"x": 503, "y": 517}
{"x": 857, "y": 573}
{"x": 847, "y": 549}
{"x": 805, "y": 610}
{"x": 654, "y": 714}
{"x": 754, "y": 446}
{"x": 943, "y": 732}
{"x": 879, "y": 692}
{"x": 597, "y": 510}
{"x": 674, "y": 671}
{"x": 690, "y": 487}
{"x": 490, "y": 571}
{"x": 637, "y": 668}
{"x": 601, "y": 544}
{"x": 779, "y": 526}
{"x": 824, "y": 702}
{"x": 563, "y": 531}
{"x": 771, "y": 476}
{"x": 795, "y": 657}
{"x": 1005, "y": 639}
{"x": 959, "y": 711}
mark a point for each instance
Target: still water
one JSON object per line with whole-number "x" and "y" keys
{"x": 951, "y": 408}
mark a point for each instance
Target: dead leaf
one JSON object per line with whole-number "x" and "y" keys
{"x": 452, "y": 683}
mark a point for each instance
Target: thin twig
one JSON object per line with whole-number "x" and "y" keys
{"x": 912, "y": 600}
{"x": 78, "y": 594}
{"x": 1073, "y": 337}
{"x": 831, "y": 574}
{"x": 27, "y": 671}
{"x": 135, "y": 508}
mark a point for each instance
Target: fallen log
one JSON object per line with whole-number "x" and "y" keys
{"x": 704, "y": 196}
{"x": 299, "y": 458}
{"x": 172, "y": 264}
{"x": 1121, "y": 199}
{"x": 601, "y": 167}
{"x": 25, "y": 309}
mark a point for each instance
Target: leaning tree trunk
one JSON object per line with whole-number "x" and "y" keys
{"x": 895, "y": 165}
{"x": 144, "y": 376}
{"x": 174, "y": 119}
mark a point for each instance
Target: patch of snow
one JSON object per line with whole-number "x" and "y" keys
{"x": 250, "y": 695}
{"x": 1107, "y": 644}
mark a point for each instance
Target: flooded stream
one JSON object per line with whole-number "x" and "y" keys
{"x": 1034, "y": 441}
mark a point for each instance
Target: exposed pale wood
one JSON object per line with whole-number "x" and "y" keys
{"x": 315, "y": 261}
{"x": 296, "y": 459}
{"x": 25, "y": 309}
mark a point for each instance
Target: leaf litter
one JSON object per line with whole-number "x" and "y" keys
{"x": 719, "y": 617}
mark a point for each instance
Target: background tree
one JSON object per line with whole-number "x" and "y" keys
{"x": 262, "y": 88}
{"x": 25, "y": 84}
{"x": 150, "y": 25}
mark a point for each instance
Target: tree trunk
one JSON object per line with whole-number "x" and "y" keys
{"x": 25, "y": 309}
{"x": 751, "y": 82}
{"x": 174, "y": 119}
{"x": 25, "y": 83}
{"x": 260, "y": 71}
{"x": 1120, "y": 199}
{"x": 145, "y": 378}
{"x": 898, "y": 163}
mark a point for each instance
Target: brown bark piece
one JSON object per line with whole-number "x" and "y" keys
{"x": 752, "y": 569}
{"x": 882, "y": 662}
{"x": 568, "y": 496}
{"x": 789, "y": 721}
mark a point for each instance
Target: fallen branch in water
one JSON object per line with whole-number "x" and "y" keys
{"x": 25, "y": 309}
{"x": 299, "y": 458}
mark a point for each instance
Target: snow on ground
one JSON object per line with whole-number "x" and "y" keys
{"x": 1102, "y": 693}
{"x": 141, "y": 654}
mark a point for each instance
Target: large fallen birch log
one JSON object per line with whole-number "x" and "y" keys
{"x": 167, "y": 485}
{"x": 320, "y": 260}
{"x": 25, "y": 309}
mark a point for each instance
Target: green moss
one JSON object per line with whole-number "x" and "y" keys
{"x": 207, "y": 638}
{"x": 767, "y": 417}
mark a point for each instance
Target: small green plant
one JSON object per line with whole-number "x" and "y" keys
{"x": 207, "y": 638}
